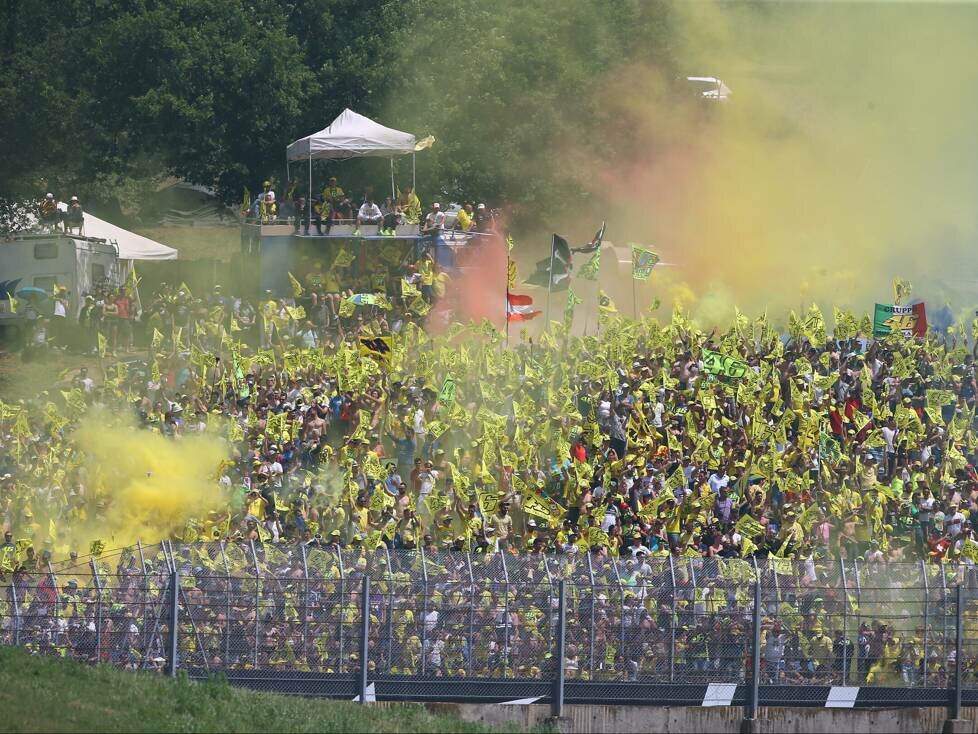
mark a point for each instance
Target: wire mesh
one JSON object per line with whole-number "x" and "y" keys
{"x": 244, "y": 606}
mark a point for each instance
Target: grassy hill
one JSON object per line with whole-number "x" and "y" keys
{"x": 49, "y": 694}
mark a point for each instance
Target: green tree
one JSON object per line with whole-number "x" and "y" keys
{"x": 501, "y": 85}
{"x": 100, "y": 95}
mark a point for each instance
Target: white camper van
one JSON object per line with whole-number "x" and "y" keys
{"x": 35, "y": 262}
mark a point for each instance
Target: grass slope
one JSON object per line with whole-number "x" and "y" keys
{"x": 49, "y": 694}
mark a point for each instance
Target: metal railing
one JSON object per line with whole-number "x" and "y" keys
{"x": 265, "y": 614}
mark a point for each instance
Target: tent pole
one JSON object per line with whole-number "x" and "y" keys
{"x": 414, "y": 173}
{"x": 309, "y": 200}
{"x": 393, "y": 195}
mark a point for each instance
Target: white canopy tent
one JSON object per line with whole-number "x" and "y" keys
{"x": 132, "y": 246}
{"x": 352, "y": 135}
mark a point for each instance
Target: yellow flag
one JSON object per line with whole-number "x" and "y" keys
{"x": 419, "y": 306}
{"x": 102, "y": 344}
{"x": 296, "y": 313}
{"x": 157, "y": 338}
{"x": 132, "y": 282}
{"x": 380, "y": 348}
{"x": 297, "y": 288}
{"x": 901, "y": 290}
{"x": 344, "y": 259}
{"x": 408, "y": 289}
{"x": 533, "y": 505}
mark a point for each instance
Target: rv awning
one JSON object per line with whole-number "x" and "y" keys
{"x": 132, "y": 246}
{"x": 351, "y": 136}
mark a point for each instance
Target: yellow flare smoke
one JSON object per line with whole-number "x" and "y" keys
{"x": 147, "y": 486}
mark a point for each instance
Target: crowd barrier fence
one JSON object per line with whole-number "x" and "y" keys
{"x": 412, "y": 625}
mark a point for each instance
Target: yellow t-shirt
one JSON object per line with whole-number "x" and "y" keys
{"x": 427, "y": 272}
{"x": 257, "y": 507}
{"x": 332, "y": 192}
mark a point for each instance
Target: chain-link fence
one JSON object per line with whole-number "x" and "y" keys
{"x": 300, "y": 609}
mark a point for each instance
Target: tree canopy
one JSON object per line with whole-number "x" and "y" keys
{"x": 101, "y": 98}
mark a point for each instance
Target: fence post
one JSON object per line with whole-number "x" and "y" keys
{"x": 471, "y": 654}
{"x": 57, "y": 606}
{"x": 594, "y": 594}
{"x": 145, "y": 595}
{"x": 173, "y": 664}
{"x": 502, "y": 559}
{"x": 254, "y": 557}
{"x": 750, "y": 710}
{"x": 945, "y": 600}
{"x": 98, "y": 610}
{"x": 923, "y": 576}
{"x": 557, "y": 699}
{"x": 954, "y": 712}
{"x": 859, "y": 621}
{"x": 305, "y": 607}
{"x": 342, "y": 602}
{"x": 845, "y": 623}
{"x": 227, "y": 605}
{"x": 424, "y": 610}
{"x": 16, "y": 608}
{"x": 364, "y": 636}
{"x": 621, "y": 621}
{"x": 390, "y": 612}
{"x": 672, "y": 624}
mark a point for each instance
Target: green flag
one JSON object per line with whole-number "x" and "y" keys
{"x": 907, "y": 320}
{"x": 447, "y": 394}
{"x": 724, "y": 366}
{"x": 590, "y": 269}
{"x": 642, "y": 263}
{"x": 572, "y": 300}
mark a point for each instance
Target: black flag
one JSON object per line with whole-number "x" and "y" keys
{"x": 594, "y": 244}
{"x": 559, "y": 278}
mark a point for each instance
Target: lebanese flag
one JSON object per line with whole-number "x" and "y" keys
{"x": 520, "y": 308}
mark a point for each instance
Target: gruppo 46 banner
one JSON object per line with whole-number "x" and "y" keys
{"x": 908, "y": 320}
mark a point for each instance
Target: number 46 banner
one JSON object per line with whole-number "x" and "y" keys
{"x": 908, "y": 320}
{"x": 724, "y": 366}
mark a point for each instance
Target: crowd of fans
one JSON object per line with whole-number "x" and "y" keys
{"x": 621, "y": 442}
{"x": 620, "y": 450}
{"x": 837, "y": 448}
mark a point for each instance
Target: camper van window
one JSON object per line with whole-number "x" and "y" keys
{"x": 98, "y": 273}
{"x": 45, "y": 250}
{"x": 45, "y": 283}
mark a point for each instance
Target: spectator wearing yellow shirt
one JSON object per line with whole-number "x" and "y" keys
{"x": 464, "y": 219}
{"x": 410, "y": 206}
{"x": 257, "y": 505}
{"x": 426, "y": 276}
{"x": 333, "y": 194}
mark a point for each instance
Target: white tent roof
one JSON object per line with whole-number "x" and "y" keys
{"x": 351, "y": 136}
{"x": 132, "y": 246}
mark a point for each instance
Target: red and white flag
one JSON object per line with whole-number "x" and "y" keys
{"x": 520, "y": 308}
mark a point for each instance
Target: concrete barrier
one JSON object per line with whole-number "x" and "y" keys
{"x": 720, "y": 719}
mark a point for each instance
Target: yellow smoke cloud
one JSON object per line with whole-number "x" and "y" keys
{"x": 846, "y": 156}
{"x": 147, "y": 486}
